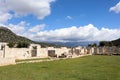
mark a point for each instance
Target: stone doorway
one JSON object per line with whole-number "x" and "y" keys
{"x": 34, "y": 51}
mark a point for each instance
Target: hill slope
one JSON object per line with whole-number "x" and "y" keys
{"x": 7, "y": 35}
{"x": 116, "y": 42}
{"x": 110, "y": 43}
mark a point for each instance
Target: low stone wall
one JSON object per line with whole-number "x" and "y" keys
{"x": 7, "y": 61}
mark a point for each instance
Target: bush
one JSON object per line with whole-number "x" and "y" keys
{"x": 92, "y": 45}
{"x": 23, "y": 44}
{"x": 106, "y": 43}
{"x": 11, "y": 44}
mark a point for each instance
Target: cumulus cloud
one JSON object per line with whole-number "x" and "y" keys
{"x": 38, "y": 8}
{"x": 115, "y": 8}
{"x": 37, "y": 28}
{"x": 18, "y": 28}
{"x": 5, "y": 17}
{"x": 69, "y": 17}
{"x": 82, "y": 33}
{"x": 24, "y": 29}
{"x": 71, "y": 34}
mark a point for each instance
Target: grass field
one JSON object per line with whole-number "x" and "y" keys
{"x": 84, "y": 68}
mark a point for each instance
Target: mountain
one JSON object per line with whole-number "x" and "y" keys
{"x": 86, "y": 43}
{"x": 74, "y": 44}
{"x": 7, "y": 35}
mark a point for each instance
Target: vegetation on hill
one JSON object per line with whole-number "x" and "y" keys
{"x": 106, "y": 43}
{"x": 8, "y": 36}
{"x": 116, "y": 42}
{"x": 19, "y": 44}
{"x": 92, "y": 45}
{"x": 110, "y": 43}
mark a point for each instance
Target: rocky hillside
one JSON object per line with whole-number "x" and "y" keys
{"x": 7, "y": 35}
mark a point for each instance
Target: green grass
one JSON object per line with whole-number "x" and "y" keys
{"x": 84, "y": 68}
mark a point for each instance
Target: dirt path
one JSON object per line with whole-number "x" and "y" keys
{"x": 52, "y": 59}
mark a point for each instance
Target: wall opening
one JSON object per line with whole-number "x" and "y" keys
{"x": 34, "y": 51}
{"x": 51, "y": 53}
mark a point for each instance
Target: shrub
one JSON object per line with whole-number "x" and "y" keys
{"x": 11, "y": 44}
{"x": 23, "y": 44}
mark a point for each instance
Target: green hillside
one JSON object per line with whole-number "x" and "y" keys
{"x": 110, "y": 43}
{"x": 116, "y": 42}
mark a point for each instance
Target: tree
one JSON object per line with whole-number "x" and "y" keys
{"x": 23, "y": 44}
{"x": 106, "y": 43}
{"x": 110, "y": 44}
{"x": 89, "y": 45}
{"x": 102, "y": 43}
{"x": 92, "y": 45}
{"x": 11, "y": 44}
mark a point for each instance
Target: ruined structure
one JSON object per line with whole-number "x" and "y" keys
{"x": 113, "y": 50}
{"x": 9, "y": 55}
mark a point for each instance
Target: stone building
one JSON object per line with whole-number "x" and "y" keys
{"x": 82, "y": 51}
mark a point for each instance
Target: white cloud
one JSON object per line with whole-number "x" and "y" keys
{"x": 37, "y": 28}
{"x": 69, "y": 17}
{"x": 83, "y": 33}
{"x": 115, "y": 8}
{"x": 18, "y": 28}
{"x": 24, "y": 29}
{"x": 38, "y": 8}
{"x": 5, "y": 17}
{"x": 72, "y": 34}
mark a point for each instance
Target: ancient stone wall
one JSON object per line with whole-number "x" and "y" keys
{"x": 7, "y": 61}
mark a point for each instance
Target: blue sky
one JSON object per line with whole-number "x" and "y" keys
{"x": 62, "y": 20}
